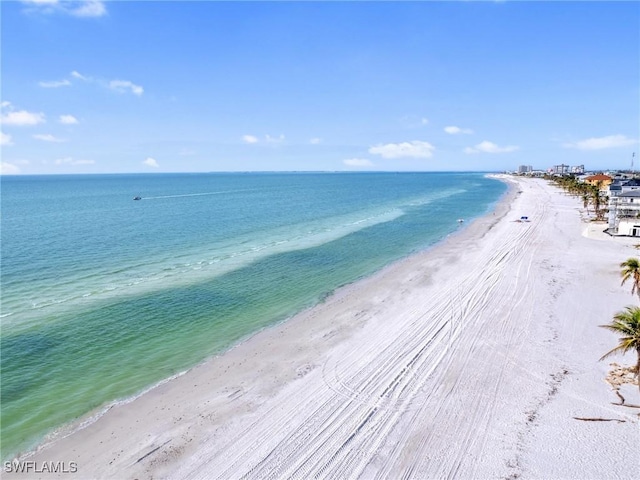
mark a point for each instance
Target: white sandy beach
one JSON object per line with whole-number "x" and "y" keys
{"x": 470, "y": 360}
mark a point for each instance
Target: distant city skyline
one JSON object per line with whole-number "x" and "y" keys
{"x": 127, "y": 87}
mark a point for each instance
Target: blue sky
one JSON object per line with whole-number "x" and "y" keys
{"x": 119, "y": 86}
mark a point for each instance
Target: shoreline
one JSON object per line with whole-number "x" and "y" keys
{"x": 86, "y": 420}
{"x": 338, "y": 355}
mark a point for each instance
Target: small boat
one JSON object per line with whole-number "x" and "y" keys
{"x": 137, "y": 198}
{"x": 460, "y": 220}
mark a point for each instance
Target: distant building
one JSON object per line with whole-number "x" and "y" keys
{"x": 566, "y": 169}
{"x": 560, "y": 169}
{"x": 525, "y": 169}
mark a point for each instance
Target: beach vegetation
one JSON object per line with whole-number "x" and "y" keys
{"x": 590, "y": 194}
{"x": 597, "y": 199}
{"x": 585, "y": 201}
{"x": 627, "y": 324}
{"x": 631, "y": 271}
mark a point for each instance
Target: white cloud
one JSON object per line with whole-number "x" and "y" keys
{"x": 315, "y": 141}
{"x": 414, "y": 149}
{"x": 68, "y": 119}
{"x": 47, "y": 137}
{"x": 71, "y": 161}
{"x": 274, "y": 140}
{"x": 55, "y": 83}
{"x": 77, "y": 8}
{"x": 252, "y": 139}
{"x": 79, "y": 76}
{"x": 89, "y": 8}
{"x": 41, "y": 6}
{"x": 8, "y": 169}
{"x": 5, "y": 139}
{"x": 357, "y": 162}
{"x": 20, "y": 117}
{"x": 413, "y": 121}
{"x": 151, "y": 162}
{"x": 598, "y": 143}
{"x": 122, "y": 86}
{"x": 453, "y": 130}
{"x": 489, "y": 147}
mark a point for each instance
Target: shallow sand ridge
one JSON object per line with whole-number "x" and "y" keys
{"x": 470, "y": 360}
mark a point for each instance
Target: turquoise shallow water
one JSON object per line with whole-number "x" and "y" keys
{"x": 103, "y": 296}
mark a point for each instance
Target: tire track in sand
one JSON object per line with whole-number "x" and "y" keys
{"x": 391, "y": 407}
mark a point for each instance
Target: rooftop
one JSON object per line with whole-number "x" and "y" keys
{"x": 634, "y": 193}
{"x": 597, "y": 178}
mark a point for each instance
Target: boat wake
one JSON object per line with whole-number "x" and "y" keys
{"x": 194, "y": 194}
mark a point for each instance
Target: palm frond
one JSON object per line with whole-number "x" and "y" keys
{"x": 613, "y": 351}
{"x": 621, "y": 328}
{"x": 631, "y": 268}
{"x": 626, "y": 323}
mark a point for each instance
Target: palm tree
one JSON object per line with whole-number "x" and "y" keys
{"x": 631, "y": 269}
{"x": 626, "y": 323}
{"x": 585, "y": 201}
{"x": 598, "y": 199}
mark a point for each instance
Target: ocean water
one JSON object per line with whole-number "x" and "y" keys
{"x": 103, "y": 296}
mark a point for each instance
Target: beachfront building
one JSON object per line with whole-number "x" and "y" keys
{"x": 624, "y": 213}
{"x": 623, "y": 185}
{"x": 600, "y": 180}
{"x": 630, "y": 185}
{"x": 525, "y": 169}
{"x": 615, "y": 189}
